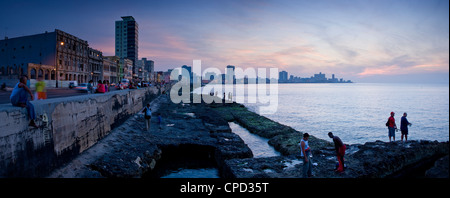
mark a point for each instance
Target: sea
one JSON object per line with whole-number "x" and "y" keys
{"x": 356, "y": 112}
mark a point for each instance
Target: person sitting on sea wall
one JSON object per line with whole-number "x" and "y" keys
{"x": 19, "y": 98}
{"x": 100, "y": 87}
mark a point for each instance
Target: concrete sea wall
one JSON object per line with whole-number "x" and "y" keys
{"x": 68, "y": 126}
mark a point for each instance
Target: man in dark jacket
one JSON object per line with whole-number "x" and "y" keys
{"x": 404, "y": 126}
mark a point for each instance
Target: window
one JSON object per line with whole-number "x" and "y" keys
{"x": 40, "y": 73}
{"x": 46, "y": 73}
{"x": 33, "y": 74}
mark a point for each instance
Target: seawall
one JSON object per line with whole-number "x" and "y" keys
{"x": 68, "y": 126}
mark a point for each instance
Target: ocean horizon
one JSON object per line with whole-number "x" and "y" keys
{"x": 357, "y": 112}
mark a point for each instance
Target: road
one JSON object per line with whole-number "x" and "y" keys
{"x": 51, "y": 93}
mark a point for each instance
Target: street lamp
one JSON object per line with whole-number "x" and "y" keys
{"x": 56, "y": 63}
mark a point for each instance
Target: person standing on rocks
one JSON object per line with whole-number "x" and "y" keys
{"x": 340, "y": 151}
{"x": 391, "y": 126}
{"x": 404, "y": 126}
{"x": 148, "y": 116}
{"x": 305, "y": 153}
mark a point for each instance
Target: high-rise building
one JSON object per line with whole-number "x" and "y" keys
{"x": 231, "y": 78}
{"x": 127, "y": 33}
{"x": 283, "y": 76}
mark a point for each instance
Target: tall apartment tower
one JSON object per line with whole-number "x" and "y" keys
{"x": 127, "y": 33}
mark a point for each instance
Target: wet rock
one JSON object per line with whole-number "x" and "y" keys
{"x": 440, "y": 169}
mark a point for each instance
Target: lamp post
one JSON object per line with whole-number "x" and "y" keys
{"x": 56, "y": 63}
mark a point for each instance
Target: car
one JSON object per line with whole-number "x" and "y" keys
{"x": 72, "y": 84}
{"x": 124, "y": 83}
{"x": 81, "y": 87}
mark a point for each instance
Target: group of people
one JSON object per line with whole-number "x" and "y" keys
{"x": 306, "y": 155}
{"x": 392, "y": 127}
{"x": 102, "y": 86}
{"x": 340, "y": 147}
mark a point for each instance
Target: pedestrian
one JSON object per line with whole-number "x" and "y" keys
{"x": 340, "y": 151}
{"x": 90, "y": 87}
{"x": 100, "y": 87}
{"x": 19, "y": 98}
{"x": 159, "y": 120}
{"x": 148, "y": 116}
{"x": 305, "y": 154}
{"x": 404, "y": 123}
{"x": 40, "y": 89}
{"x": 391, "y": 126}
{"x": 106, "y": 86}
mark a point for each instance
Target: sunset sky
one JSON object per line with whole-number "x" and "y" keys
{"x": 360, "y": 40}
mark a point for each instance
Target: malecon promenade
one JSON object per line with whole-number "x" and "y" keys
{"x": 104, "y": 136}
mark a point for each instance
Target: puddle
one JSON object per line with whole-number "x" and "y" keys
{"x": 193, "y": 173}
{"x": 192, "y": 115}
{"x": 186, "y": 161}
{"x": 259, "y": 146}
{"x": 292, "y": 163}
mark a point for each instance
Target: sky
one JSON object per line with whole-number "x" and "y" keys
{"x": 359, "y": 40}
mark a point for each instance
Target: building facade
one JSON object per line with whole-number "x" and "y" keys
{"x": 127, "y": 34}
{"x": 96, "y": 64}
{"x": 110, "y": 69}
{"x": 127, "y": 68}
{"x": 64, "y": 56}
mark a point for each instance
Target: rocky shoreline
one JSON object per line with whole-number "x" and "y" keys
{"x": 201, "y": 131}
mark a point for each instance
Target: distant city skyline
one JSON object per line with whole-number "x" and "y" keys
{"x": 284, "y": 77}
{"x": 361, "y": 40}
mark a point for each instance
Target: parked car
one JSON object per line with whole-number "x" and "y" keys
{"x": 81, "y": 87}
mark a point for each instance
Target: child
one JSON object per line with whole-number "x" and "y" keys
{"x": 159, "y": 120}
{"x": 40, "y": 89}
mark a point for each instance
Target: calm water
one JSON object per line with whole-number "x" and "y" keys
{"x": 259, "y": 145}
{"x": 358, "y": 112}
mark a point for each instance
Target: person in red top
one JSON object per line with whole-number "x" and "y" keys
{"x": 391, "y": 126}
{"x": 100, "y": 87}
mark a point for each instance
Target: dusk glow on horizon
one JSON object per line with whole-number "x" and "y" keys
{"x": 360, "y": 40}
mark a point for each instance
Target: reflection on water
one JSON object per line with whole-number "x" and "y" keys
{"x": 193, "y": 173}
{"x": 257, "y": 144}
